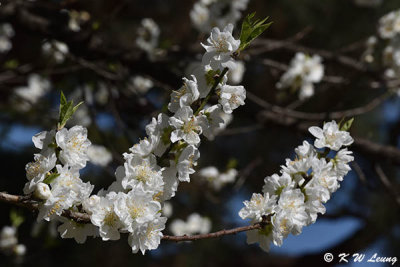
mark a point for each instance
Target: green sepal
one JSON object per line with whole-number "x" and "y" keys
{"x": 50, "y": 177}
{"x": 346, "y": 125}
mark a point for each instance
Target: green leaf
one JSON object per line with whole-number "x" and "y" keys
{"x": 67, "y": 109}
{"x": 345, "y": 126}
{"x": 50, "y": 177}
{"x": 16, "y": 218}
{"x": 251, "y": 29}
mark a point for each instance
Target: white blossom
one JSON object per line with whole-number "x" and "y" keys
{"x": 78, "y": 231}
{"x": 143, "y": 173}
{"x": 259, "y": 206}
{"x": 99, "y": 155}
{"x": 303, "y": 72}
{"x": 187, "y": 127}
{"x": 231, "y": 97}
{"x": 185, "y": 96}
{"x": 186, "y": 162}
{"x": 6, "y": 33}
{"x": 275, "y": 183}
{"x": 105, "y": 217}
{"x": 220, "y": 47}
{"x": 330, "y": 136}
{"x": 74, "y": 145}
{"x": 148, "y": 236}
{"x": 148, "y": 35}
{"x": 389, "y": 25}
{"x": 8, "y": 237}
{"x": 141, "y": 84}
{"x": 136, "y": 208}
{"x": 56, "y": 49}
{"x": 235, "y": 75}
{"x": 195, "y": 224}
{"x": 37, "y": 87}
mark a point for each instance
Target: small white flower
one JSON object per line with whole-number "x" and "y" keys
{"x": 20, "y": 250}
{"x": 136, "y": 208}
{"x": 159, "y": 132}
{"x": 340, "y": 163}
{"x": 167, "y": 209}
{"x": 275, "y": 184}
{"x": 90, "y": 203}
{"x": 200, "y": 16}
{"x": 195, "y": 224}
{"x": 213, "y": 120}
{"x": 69, "y": 179}
{"x": 148, "y": 35}
{"x": 231, "y": 97}
{"x": 314, "y": 205}
{"x": 141, "y": 84}
{"x": 37, "y": 170}
{"x": 330, "y": 136}
{"x": 36, "y": 88}
{"x": 78, "y": 231}
{"x": 389, "y": 25}
{"x": 263, "y": 237}
{"x": 185, "y": 96}
{"x": 58, "y": 50}
{"x": 74, "y": 145}
{"x": 8, "y": 238}
{"x": 258, "y": 206}
{"x": 303, "y": 72}
{"x": 324, "y": 175}
{"x": 105, "y": 217}
{"x": 235, "y": 75}
{"x": 186, "y": 162}
{"x": 171, "y": 181}
{"x": 6, "y": 32}
{"x": 148, "y": 236}
{"x": 99, "y": 155}
{"x": 143, "y": 173}
{"x": 219, "y": 48}
{"x": 187, "y": 126}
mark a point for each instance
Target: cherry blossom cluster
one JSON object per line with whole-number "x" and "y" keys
{"x": 148, "y": 37}
{"x": 153, "y": 168}
{"x": 6, "y": 33}
{"x": 389, "y": 39}
{"x": 195, "y": 224}
{"x": 53, "y": 176}
{"x": 206, "y": 14}
{"x": 27, "y": 96}
{"x": 216, "y": 179}
{"x": 56, "y": 50}
{"x": 389, "y": 31}
{"x": 9, "y": 242}
{"x": 304, "y": 71}
{"x": 293, "y": 198}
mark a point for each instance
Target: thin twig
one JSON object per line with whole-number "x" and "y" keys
{"x": 213, "y": 235}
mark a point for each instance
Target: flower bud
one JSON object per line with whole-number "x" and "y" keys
{"x": 42, "y": 191}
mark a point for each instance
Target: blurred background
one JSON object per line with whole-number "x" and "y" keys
{"x": 91, "y": 50}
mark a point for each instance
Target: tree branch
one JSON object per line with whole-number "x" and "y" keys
{"x": 32, "y": 205}
{"x": 213, "y": 235}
